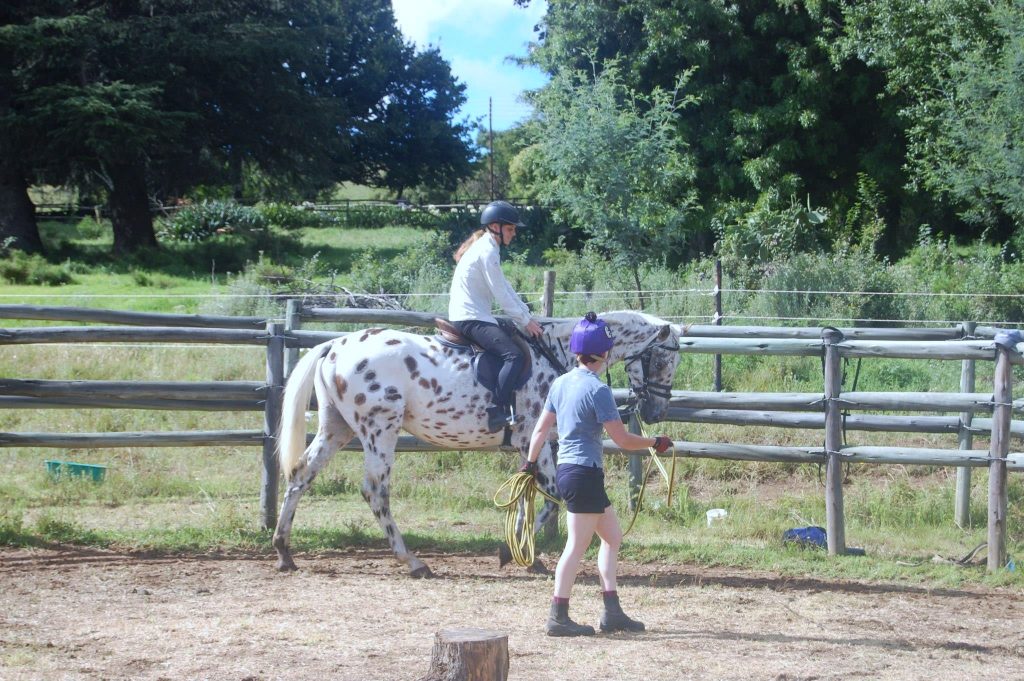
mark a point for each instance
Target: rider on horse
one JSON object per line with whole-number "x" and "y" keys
{"x": 477, "y": 284}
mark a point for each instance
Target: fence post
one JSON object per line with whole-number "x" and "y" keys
{"x": 636, "y": 467}
{"x": 271, "y": 423}
{"x": 833, "y": 371}
{"x": 292, "y": 322}
{"x": 999, "y": 448}
{"x": 717, "y": 321}
{"x": 547, "y": 304}
{"x": 547, "y": 300}
{"x": 962, "y": 511}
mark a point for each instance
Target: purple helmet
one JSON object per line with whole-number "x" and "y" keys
{"x": 591, "y": 336}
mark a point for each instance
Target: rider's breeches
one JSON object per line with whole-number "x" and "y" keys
{"x": 491, "y": 338}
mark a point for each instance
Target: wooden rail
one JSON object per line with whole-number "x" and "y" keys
{"x": 827, "y": 411}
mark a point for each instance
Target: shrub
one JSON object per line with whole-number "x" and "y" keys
{"x": 22, "y": 268}
{"x": 940, "y": 266}
{"x": 208, "y": 219}
{"x": 828, "y": 275}
{"x": 287, "y": 216}
{"x": 424, "y": 267}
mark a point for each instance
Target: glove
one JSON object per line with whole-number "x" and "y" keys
{"x": 662, "y": 444}
{"x": 530, "y": 468}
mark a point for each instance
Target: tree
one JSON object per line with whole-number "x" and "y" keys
{"x": 418, "y": 143}
{"x": 955, "y": 69}
{"x": 613, "y": 165}
{"x": 149, "y": 98}
{"x": 18, "y": 228}
{"x": 776, "y": 121}
{"x": 506, "y": 146}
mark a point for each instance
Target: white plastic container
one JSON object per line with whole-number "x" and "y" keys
{"x": 716, "y": 514}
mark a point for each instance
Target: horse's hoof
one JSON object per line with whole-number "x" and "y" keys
{"x": 422, "y": 572}
{"x": 504, "y": 555}
{"x": 538, "y": 568}
{"x": 286, "y": 564}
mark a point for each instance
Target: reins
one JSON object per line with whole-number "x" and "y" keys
{"x": 669, "y": 475}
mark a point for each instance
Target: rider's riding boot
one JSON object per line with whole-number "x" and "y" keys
{"x": 498, "y": 418}
{"x": 559, "y": 623}
{"x": 613, "y": 619}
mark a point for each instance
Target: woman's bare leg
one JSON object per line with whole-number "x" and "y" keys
{"x": 581, "y": 530}
{"x": 608, "y": 556}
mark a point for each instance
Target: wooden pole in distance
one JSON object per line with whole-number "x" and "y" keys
{"x": 962, "y": 509}
{"x": 292, "y": 322}
{"x": 271, "y": 425}
{"x": 999, "y": 448}
{"x": 547, "y": 304}
{"x": 718, "y": 322}
{"x": 835, "y": 522}
{"x": 636, "y": 466}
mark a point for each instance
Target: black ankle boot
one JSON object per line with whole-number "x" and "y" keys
{"x": 559, "y": 623}
{"x": 613, "y": 619}
{"x": 497, "y": 418}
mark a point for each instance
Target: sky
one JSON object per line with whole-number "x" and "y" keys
{"x": 476, "y": 37}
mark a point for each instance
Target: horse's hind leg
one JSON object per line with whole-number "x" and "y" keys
{"x": 333, "y": 434}
{"x": 379, "y": 454}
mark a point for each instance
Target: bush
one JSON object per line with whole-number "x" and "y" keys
{"x": 941, "y": 267}
{"x": 365, "y": 216}
{"x": 425, "y": 267}
{"x": 22, "y": 268}
{"x": 827, "y": 275}
{"x": 291, "y": 217}
{"x": 211, "y": 218}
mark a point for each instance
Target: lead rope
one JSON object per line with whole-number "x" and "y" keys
{"x": 670, "y": 478}
{"x": 521, "y": 487}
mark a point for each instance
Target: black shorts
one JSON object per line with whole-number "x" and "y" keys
{"x": 582, "y": 488}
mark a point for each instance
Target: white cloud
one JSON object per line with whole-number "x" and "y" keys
{"x": 418, "y": 19}
{"x": 476, "y": 37}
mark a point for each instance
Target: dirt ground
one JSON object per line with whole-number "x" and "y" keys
{"x": 69, "y": 614}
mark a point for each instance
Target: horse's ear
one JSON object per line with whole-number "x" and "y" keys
{"x": 663, "y": 334}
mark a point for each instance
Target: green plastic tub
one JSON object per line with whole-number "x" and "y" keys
{"x": 75, "y": 470}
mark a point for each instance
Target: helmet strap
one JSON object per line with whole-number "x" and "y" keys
{"x": 497, "y": 232}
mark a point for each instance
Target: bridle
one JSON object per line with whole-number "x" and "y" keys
{"x": 649, "y": 388}
{"x": 646, "y": 390}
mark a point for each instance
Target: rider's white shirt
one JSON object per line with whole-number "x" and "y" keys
{"x": 479, "y": 282}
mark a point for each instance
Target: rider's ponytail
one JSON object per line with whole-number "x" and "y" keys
{"x": 467, "y": 243}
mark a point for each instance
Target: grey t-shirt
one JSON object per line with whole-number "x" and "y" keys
{"x": 581, "y": 404}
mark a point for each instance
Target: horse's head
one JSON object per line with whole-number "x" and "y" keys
{"x": 649, "y": 347}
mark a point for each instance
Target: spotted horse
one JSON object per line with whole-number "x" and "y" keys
{"x": 375, "y": 383}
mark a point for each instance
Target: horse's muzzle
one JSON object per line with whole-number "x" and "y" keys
{"x": 652, "y": 410}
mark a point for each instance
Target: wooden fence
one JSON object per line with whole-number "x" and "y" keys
{"x": 825, "y": 411}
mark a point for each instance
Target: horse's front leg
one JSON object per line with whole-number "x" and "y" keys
{"x": 378, "y": 457}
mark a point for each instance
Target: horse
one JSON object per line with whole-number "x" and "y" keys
{"x": 377, "y": 382}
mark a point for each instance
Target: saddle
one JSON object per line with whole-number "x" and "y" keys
{"x": 486, "y": 365}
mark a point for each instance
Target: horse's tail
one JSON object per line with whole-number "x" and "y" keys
{"x": 291, "y": 441}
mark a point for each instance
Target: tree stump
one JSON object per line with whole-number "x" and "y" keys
{"x": 469, "y": 654}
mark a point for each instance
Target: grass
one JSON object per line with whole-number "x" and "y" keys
{"x": 183, "y": 500}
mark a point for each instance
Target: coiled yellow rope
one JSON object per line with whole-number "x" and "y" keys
{"x": 521, "y": 486}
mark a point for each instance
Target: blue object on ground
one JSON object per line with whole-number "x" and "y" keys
{"x": 806, "y": 536}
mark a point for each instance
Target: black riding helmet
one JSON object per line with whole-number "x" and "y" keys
{"x": 501, "y": 212}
